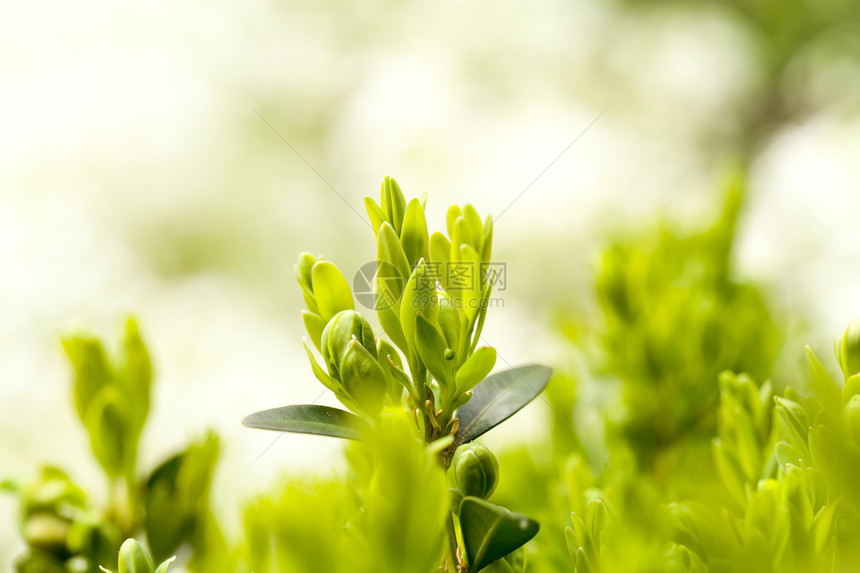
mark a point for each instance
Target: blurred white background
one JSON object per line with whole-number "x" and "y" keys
{"x": 136, "y": 176}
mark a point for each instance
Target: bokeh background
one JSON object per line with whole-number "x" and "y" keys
{"x": 171, "y": 159}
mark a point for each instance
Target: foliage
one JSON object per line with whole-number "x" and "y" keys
{"x": 674, "y": 317}
{"x": 431, "y": 295}
{"x": 63, "y": 530}
{"x": 707, "y": 470}
{"x": 134, "y": 559}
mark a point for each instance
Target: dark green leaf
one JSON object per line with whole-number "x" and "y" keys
{"x": 498, "y": 397}
{"x": 490, "y": 531}
{"x": 308, "y": 419}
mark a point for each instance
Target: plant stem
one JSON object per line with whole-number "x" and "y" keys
{"x": 452, "y": 546}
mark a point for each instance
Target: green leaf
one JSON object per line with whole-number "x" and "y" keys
{"x": 309, "y": 419}
{"x": 105, "y": 422}
{"x": 314, "y": 324}
{"x": 498, "y": 397}
{"x": 487, "y": 248}
{"x": 476, "y": 368}
{"x": 177, "y": 498}
{"x": 389, "y": 250}
{"x": 331, "y": 290}
{"x": 490, "y": 531}
{"x": 377, "y": 217}
{"x": 166, "y": 521}
{"x": 431, "y": 348}
{"x": 419, "y": 297}
{"x": 450, "y": 321}
{"x": 136, "y": 375}
{"x": 823, "y": 385}
{"x": 320, "y": 372}
{"x": 393, "y": 202}
{"x": 163, "y": 567}
{"x": 440, "y": 254}
{"x": 454, "y": 213}
{"x": 413, "y": 236}
{"x": 133, "y": 559}
{"x": 91, "y": 366}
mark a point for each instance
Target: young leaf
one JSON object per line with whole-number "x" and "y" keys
{"x": 454, "y": 213}
{"x": 377, "y": 217}
{"x": 320, "y": 372}
{"x": 309, "y": 419}
{"x": 499, "y": 397}
{"x": 431, "y": 348}
{"x": 440, "y": 254}
{"x": 490, "y": 531}
{"x": 487, "y": 247}
{"x": 413, "y": 236}
{"x": 314, "y": 324}
{"x": 389, "y": 250}
{"x": 475, "y": 368}
{"x": 163, "y": 567}
{"x": 91, "y": 367}
{"x": 331, "y": 290}
{"x": 822, "y": 383}
{"x": 106, "y": 423}
{"x": 393, "y": 202}
{"x": 135, "y": 374}
{"x": 133, "y": 559}
{"x": 419, "y": 297}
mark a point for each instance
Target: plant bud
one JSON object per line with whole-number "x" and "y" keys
{"x": 133, "y": 559}
{"x": 336, "y": 337}
{"x": 848, "y": 350}
{"x": 475, "y": 471}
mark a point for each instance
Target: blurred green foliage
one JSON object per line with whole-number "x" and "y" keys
{"x": 707, "y": 468}
{"x": 674, "y": 317}
{"x": 64, "y": 531}
{"x": 389, "y": 517}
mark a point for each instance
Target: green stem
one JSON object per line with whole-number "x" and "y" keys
{"x": 452, "y": 546}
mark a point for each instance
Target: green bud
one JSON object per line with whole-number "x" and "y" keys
{"x": 475, "y": 471}
{"x": 363, "y": 377}
{"x": 848, "y": 350}
{"x": 133, "y": 559}
{"x": 337, "y": 335}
